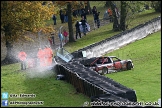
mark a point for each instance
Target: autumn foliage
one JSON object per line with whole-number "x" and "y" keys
{"x": 20, "y": 16}
{"x": 17, "y": 17}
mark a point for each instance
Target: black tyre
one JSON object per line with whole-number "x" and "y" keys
{"x": 104, "y": 70}
{"x": 129, "y": 66}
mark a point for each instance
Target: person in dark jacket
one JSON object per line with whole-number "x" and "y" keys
{"x": 74, "y": 13}
{"x": 83, "y": 21}
{"x": 66, "y": 16}
{"x": 84, "y": 15}
{"x": 77, "y": 25}
{"x": 94, "y": 11}
{"x": 97, "y": 20}
{"x": 62, "y": 16}
{"x": 54, "y": 19}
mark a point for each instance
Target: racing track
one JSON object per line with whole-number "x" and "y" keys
{"x": 98, "y": 87}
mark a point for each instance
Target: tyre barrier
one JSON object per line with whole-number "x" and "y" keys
{"x": 96, "y": 86}
{"x": 102, "y": 99}
{"x": 91, "y": 84}
{"x": 94, "y": 78}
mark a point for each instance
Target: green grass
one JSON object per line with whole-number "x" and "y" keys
{"x": 41, "y": 83}
{"x": 145, "y": 78}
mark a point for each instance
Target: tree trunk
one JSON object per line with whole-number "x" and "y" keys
{"x": 70, "y": 24}
{"x": 88, "y": 8}
{"x": 10, "y": 58}
{"x": 107, "y": 4}
{"x": 123, "y": 15}
{"x": 115, "y": 19}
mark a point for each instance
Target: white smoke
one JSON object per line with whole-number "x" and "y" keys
{"x": 41, "y": 72}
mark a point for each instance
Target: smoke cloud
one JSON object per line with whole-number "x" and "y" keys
{"x": 41, "y": 72}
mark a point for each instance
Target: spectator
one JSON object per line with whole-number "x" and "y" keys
{"x": 84, "y": 15}
{"x": 79, "y": 11}
{"x": 22, "y": 56}
{"x": 110, "y": 14}
{"x": 61, "y": 37}
{"x": 62, "y": 16}
{"x": 74, "y": 13}
{"x": 82, "y": 10}
{"x": 94, "y": 11}
{"x": 66, "y": 16}
{"x": 97, "y": 20}
{"x": 77, "y": 29}
{"x": 83, "y": 21}
{"x": 54, "y": 19}
{"x": 65, "y": 34}
{"x": 60, "y": 12}
{"x": 106, "y": 15}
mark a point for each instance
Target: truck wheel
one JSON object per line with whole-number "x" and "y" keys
{"x": 104, "y": 70}
{"x": 129, "y": 66}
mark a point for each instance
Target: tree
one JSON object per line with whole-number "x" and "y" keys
{"x": 129, "y": 10}
{"x": 107, "y": 4}
{"x": 156, "y": 5}
{"x": 115, "y": 19}
{"x": 123, "y": 15}
{"x": 87, "y": 7}
{"x": 70, "y": 25}
{"x": 17, "y": 17}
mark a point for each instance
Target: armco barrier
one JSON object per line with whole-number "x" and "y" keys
{"x": 119, "y": 40}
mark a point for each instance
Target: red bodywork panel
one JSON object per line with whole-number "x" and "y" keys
{"x": 117, "y": 65}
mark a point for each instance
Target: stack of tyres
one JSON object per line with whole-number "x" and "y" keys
{"x": 116, "y": 88}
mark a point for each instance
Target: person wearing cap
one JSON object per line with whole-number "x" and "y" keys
{"x": 22, "y": 56}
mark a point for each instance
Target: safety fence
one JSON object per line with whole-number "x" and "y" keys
{"x": 121, "y": 39}
{"x": 91, "y": 84}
